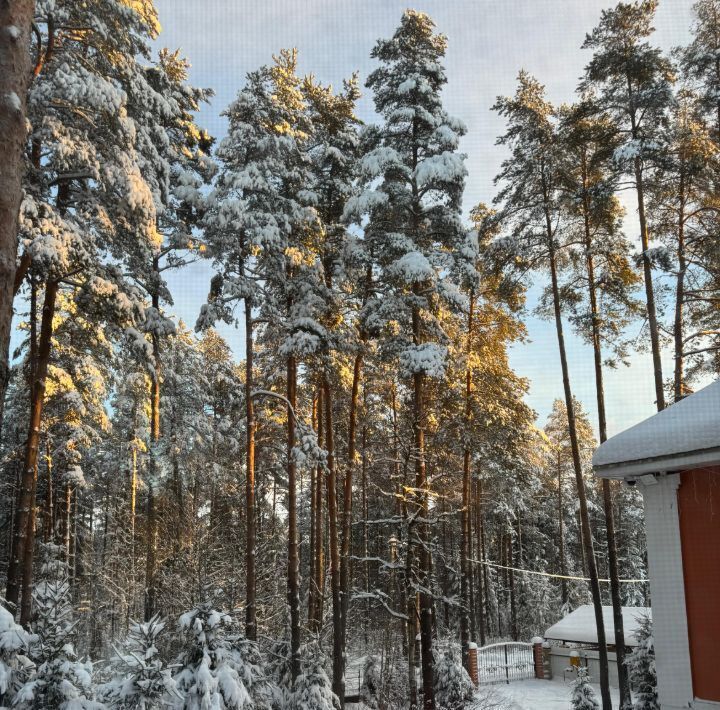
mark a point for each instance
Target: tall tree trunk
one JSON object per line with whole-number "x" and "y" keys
{"x": 151, "y": 524}
{"x": 49, "y": 511}
{"x": 151, "y": 555}
{"x": 318, "y": 577}
{"x": 561, "y": 536}
{"x": 293, "y": 571}
{"x": 481, "y": 568}
{"x": 250, "y": 551}
{"x": 647, "y": 266}
{"x": 678, "y": 324}
{"x": 623, "y": 681}
{"x": 15, "y": 75}
{"x": 579, "y": 480}
{"x": 465, "y": 569}
{"x": 338, "y": 680}
{"x": 347, "y": 494}
{"x": 422, "y": 494}
{"x": 22, "y": 535}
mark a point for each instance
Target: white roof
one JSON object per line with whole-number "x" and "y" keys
{"x": 579, "y": 625}
{"x": 685, "y": 435}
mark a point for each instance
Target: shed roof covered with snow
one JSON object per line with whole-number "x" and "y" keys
{"x": 685, "y": 435}
{"x": 579, "y": 625}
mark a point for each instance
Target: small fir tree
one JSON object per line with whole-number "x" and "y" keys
{"x": 313, "y": 690}
{"x": 142, "y": 679}
{"x": 583, "y": 695}
{"x": 453, "y": 687}
{"x": 61, "y": 680}
{"x": 208, "y": 679}
{"x": 641, "y": 668}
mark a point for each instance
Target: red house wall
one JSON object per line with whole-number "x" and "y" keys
{"x": 699, "y": 510}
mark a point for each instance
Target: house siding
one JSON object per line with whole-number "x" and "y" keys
{"x": 699, "y": 517}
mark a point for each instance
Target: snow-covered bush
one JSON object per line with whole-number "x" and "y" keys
{"x": 247, "y": 660}
{"x": 313, "y": 689}
{"x": 208, "y": 678}
{"x": 15, "y": 666}
{"x": 583, "y": 695}
{"x": 453, "y": 687}
{"x": 371, "y": 683}
{"x": 641, "y": 668}
{"x": 141, "y": 678}
{"x": 61, "y": 680}
{"x": 279, "y": 673}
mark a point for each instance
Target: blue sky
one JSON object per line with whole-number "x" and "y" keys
{"x": 489, "y": 42}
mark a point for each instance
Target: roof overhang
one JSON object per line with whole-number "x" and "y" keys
{"x": 660, "y": 464}
{"x": 683, "y": 436}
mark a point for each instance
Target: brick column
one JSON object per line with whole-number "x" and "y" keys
{"x": 538, "y": 657}
{"x": 472, "y": 662}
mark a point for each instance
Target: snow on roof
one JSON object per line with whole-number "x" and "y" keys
{"x": 685, "y": 435}
{"x": 579, "y": 625}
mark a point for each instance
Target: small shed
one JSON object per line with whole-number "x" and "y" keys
{"x": 578, "y": 630}
{"x": 674, "y": 459}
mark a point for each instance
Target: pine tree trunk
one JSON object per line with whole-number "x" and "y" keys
{"x": 318, "y": 583}
{"x": 15, "y": 76}
{"x": 561, "y": 537}
{"x": 647, "y": 267}
{"x": 580, "y": 482}
{"x": 623, "y": 682}
{"x": 481, "y": 568}
{"x": 678, "y": 324}
{"x": 347, "y": 495}
{"x": 293, "y": 572}
{"x": 424, "y": 578}
{"x": 22, "y": 535}
{"x": 49, "y": 511}
{"x": 250, "y": 542}
{"x": 151, "y": 553}
{"x": 338, "y": 679}
{"x": 465, "y": 569}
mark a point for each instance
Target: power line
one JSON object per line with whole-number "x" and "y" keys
{"x": 555, "y": 576}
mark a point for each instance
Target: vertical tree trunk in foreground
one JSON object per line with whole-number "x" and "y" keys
{"x": 338, "y": 679}
{"x": 580, "y": 482}
{"x": 250, "y": 580}
{"x": 22, "y": 535}
{"x": 293, "y": 571}
{"x": 465, "y": 569}
{"x": 421, "y": 485}
{"x": 16, "y": 18}
{"x": 623, "y": 682}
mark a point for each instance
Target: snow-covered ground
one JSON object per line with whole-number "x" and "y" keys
{"x": 531, "y": 694}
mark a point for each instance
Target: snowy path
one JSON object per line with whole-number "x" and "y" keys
{"x": 534, "y": 695}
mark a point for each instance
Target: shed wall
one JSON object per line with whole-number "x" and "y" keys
{"x": 699, "y": 514}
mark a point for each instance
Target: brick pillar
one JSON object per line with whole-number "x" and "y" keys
{"x": 538, "y": 657}
{"x": 472, "y": 662}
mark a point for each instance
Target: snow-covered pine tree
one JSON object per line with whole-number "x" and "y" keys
{"x": 207, "y": 677}
{"x": 15, "y": 667}
{"x": 280, "y": 673}
{"x": 453, "y": 687}
{"x": 632, "y": 81}
{"x": 415, "y": 180}
{"x": 641, "y": 668}
{"x": 538, "y": 237}
{"x": 312, "y": 689}
{"x": 61, "y": 680}
{"x": 86, "y": 208}
{"x": 141, "y": 679}
{"x": 583, "y": 695}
